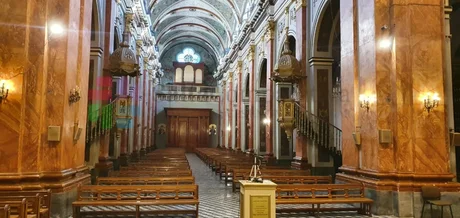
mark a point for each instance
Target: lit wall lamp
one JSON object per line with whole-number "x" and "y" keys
{"x": 337, "y": 88}
{"x": 161, "y": 129}
{"x": 212, "y": 130}
{"x": 431, "y": 101}
{"x": 266, "y": 121}
{"x": 229, "y": 128}
{"x": 74, "y": 95}
{"x": 365, "y": 101}
{"x": 3, "y": 92}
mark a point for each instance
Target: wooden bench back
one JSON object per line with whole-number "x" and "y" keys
{"x": 295, "y": 179}
{"x": 275, "y": 172}
{"x": 18, "y": 207}
{"x": 154, "y": 173}
{"x": 155, "y": 168}
{"x": 5, "y": 211}
{"x": 137, "y": 192}
{"x": 34, "y": 203}
{"x": 353, "y": 190}
{"x": 44, "y": 194}
{"x": 146, "y": 180}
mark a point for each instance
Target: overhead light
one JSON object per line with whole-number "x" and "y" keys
{"x": 266, "y": 121}
{"x": 56, "y": 28}
{"x": 385, "y": 43}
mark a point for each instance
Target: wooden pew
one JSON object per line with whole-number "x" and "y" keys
{"x": 18, "y": 208}
{"x": 137, "y": 196}
{"x": 241, "y": 174}
{"x": 44, "y": 199}
{"x": 153, "y": 173}
{"x": 186, "y": 180}
{"x": 288, "y": 180}
{"x": 5, "y": 211}
{"x": 318, "y": 194}
{"x": 153, "y": 168}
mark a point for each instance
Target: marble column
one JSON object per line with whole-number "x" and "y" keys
{"x": 104, "y": 165}
{"x": 224, "y": 113}
{"x": 154, "y": 112}
{"x": 239, "y": 111}
{"x": 40, "y": 69}
{"x": 269, "y": 110}
{"x": 124, "y": 128}
{"x": 143, "y": 116}
{"x": 149, "y": 115}
{"x": 230, "y": 110}
{"x": 135, "y": 155}
{"x": 398, "y": 75}
{"x": 251, "y": 127}
{"x": 300, "y": 161}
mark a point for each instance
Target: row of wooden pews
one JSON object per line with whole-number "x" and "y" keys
{"x": 25, "y": 204}
{"x": 155, "y": 185}
{"x": 294, "y": 187}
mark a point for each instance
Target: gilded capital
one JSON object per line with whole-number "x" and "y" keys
{"x": 240, "y": 67}
{"x": 252, "y": 51}
{"x": 230, "y": 76}
{"x": 270, "y": 30}
{"x": 300, "y": 4}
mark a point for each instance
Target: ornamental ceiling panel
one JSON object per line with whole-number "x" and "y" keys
{"x": 214, "y": 20}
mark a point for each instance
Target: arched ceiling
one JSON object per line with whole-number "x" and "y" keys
{"x": 210, "y": 23}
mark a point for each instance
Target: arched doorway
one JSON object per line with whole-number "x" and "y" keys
{"x": 326, "y": 70}
{"x": 261, "y": 104}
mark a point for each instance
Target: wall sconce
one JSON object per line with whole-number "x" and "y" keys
{"x": 266, "y": 121}
{"x": 74, "y": 95}
{"x": 229, "y": 128}
{"x": 337, "y": 88}
{"x": 212, "y": 130}
{"x": 161, "y": 129}
{"x": 431, "y": 101}
{"x": 366, "y": 101}
{"x": 3, "y": 92}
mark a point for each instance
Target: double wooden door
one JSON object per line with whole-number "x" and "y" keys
{"x": 188, "y": 128}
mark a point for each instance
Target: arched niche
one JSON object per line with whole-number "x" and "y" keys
{"x": 263, "y": 74}
{"x": 188, "y": 73}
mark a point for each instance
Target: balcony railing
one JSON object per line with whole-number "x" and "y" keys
{"x": 100, "y": 122}
{"x": 188, "y": 89}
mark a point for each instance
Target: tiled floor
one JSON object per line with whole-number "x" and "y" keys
{"x": 218, "y": 201}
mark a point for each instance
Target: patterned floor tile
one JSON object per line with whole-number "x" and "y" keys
{"x": 218, "y": 201}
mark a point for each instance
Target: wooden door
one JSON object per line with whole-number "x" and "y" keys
{"x": 188, "y": 128}
{"x": 182, "y": 135}
{"x": 192, "y": 133}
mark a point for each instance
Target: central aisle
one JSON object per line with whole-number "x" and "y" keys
{"x": 216, "y": 200}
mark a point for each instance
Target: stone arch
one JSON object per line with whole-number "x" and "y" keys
{"x": 246, "y": 86}
{"x": 328, "y": 18}
{"x": 262, "y": 83}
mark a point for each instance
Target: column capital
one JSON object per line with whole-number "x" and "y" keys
{"x": 270, "y": 30}
{"x": 300, "y": 4}
{"x": 252, "y": 51}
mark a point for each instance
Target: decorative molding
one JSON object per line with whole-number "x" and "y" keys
{"x": 190, "y": 98}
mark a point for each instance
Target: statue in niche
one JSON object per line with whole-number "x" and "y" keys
{"x": 295, "y": 92}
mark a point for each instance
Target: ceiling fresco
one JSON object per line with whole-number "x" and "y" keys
{"x": 213, "y": 24}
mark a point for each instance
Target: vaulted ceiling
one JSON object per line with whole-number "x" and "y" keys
{"x": 209, "y": 23}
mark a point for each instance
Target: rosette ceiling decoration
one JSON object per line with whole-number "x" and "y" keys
{"x": 212, "y": 24}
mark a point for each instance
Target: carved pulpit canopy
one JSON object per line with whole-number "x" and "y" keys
{"x": 123, "y": 61}
{"x": 288, "y": 67}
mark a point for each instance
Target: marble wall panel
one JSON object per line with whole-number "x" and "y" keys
{"x": 33, "y": 90}
{"x": 43, "y": 68}
{"x": 12, "y": 54}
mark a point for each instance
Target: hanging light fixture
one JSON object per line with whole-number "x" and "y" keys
{"x": 123, "y": 61}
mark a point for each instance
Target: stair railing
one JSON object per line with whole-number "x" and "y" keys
{"x": 318, "y": 130}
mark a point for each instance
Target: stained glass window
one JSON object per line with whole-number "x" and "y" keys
{"x": 188, "y": 55}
